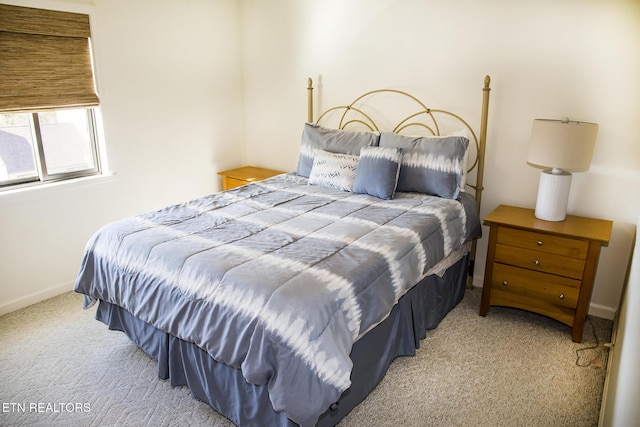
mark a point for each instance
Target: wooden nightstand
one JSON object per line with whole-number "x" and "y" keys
{"x": 542, "y": 266}
{"x": 241, "y": 176}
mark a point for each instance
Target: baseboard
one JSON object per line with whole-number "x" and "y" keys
{"x": 477, "y": 282}
{"x": 34, "y": 298}
{"x": 595, "y": 310}
{"x": 602, "y": 311}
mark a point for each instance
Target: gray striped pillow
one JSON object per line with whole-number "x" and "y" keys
{"x": 429, "y": 165}
{"x": 316, "y": 137}
{"x": 378, "y": 171}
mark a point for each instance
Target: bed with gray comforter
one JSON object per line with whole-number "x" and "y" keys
{"x": 278, "y": 278}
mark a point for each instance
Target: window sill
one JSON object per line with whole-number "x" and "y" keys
{"x": 38, "y": 191}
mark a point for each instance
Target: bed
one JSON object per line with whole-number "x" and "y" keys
{"x": 283, "y": 302}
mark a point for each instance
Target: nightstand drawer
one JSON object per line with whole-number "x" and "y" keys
{"x": 543, "y": 242}
{"x": 532, "y": 284}
{"x": 565, "y": 315}
{"x": 540, "y": 261}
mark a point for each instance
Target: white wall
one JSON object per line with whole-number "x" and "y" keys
{"x": 179, "y": 79}
{"x": 622, "y": 386}
{"x": 547, "y": 59}
{"x": 171, "y": 98}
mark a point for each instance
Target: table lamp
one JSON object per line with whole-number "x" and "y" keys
{"x": 559, "y": 147}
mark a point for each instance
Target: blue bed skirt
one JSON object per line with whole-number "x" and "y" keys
{"x": 225, "y": 389}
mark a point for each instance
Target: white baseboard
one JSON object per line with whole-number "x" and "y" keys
{"x": 596, "y": 310}
{"x": 602, "y": 311}
{"x": 34, "y": 298}
{"x": 477, "y": 282}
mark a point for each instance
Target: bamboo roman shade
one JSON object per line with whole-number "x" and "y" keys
{"x": 45, "y": 60}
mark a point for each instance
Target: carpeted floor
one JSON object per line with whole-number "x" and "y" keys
{"x": 60, "y": 367}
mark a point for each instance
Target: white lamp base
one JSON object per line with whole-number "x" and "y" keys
{"x": 553, "y": 195}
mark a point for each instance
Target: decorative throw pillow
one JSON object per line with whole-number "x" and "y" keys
{"x": 333, "y": 170}
{"x": 334, "y": 140}
{"x": 429, "y": 165}
{"x": 378, "y": 171}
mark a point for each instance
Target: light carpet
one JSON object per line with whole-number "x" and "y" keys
{"x": 60, "y": 367}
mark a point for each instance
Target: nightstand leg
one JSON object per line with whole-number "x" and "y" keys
{"x": 488, "y": 271}
{"x": 582, "y": 310}
{"x": 576, "y": 331}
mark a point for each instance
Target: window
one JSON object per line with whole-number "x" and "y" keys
{"x": 48, "y": 100}
{"x": 46, "y": 146}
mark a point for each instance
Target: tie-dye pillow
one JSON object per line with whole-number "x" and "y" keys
{"x": 378, "y": 171}
{"x": 316, "y": 137}
{"x": 429, "y": 165}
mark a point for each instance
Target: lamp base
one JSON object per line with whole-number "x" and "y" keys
{"x": 553, "y": 195}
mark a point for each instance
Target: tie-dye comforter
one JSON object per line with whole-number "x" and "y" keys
{"x": 277, "y": 278}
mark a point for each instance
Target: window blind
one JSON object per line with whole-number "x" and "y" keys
{"x": 45, "y": 60}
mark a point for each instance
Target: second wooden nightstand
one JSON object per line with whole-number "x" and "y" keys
{"x": 542, "y": 266}
{"x": 241, "y": 176}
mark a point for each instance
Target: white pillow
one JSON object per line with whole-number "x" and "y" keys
{"x": 333, "y": 170}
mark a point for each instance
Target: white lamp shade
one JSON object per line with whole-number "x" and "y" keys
{"x": 562, "y": 144}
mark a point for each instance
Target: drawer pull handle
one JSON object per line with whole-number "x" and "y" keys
{"x": 561, "y": 296}
{"x": 536, "y": 262}
{"x": 539, "y": 243}
{"x": 504, "y": 283}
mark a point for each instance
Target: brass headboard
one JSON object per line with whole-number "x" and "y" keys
{"x": 361, "y": 113}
